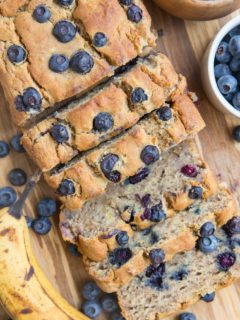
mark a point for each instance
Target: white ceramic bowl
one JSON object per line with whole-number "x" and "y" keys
{"x": 208, "y": 78}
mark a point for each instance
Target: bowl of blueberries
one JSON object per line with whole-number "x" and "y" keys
{"x": 221, "y": 69}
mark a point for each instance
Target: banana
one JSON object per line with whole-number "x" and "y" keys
{"x": 25, "y": 292}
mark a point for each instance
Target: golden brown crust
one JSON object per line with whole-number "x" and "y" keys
{"x": 9, "y": 8}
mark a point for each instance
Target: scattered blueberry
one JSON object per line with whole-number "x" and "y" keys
{"x": 4, "y": 149}
{"x": 138, "y": 95}
{"x": 209, "y": 297}
{"x": 235, "y": 63}
{"x": 66, "y": 188}
{"x": 164, "y": 113}
{"x": 226, "y": 260}
{"x": 234, "y": 45}
{"x": 189, "y": 170}
{"x": 17, "y": 177}
{"x": 221, "y": 69}
{"x": 122, "y": 238}
{"x": 59, "y": 132}
{"x": 117, "y": 316}
{"x": 149, "y": 154}
{"x": 82, "y": 62}
{"x": 223, "y": 55}
{"x": 138, "y": 177}
{"x": 134, "y": 13}
{"x": 41, "y": 13}
{"x": 156, "y": 256}
{"x": 47, "y": 207}
{"x": 236, "y": 100}
{"x": 65, "y": 3}
{"x": 126, "y": 2}
{"x": 64, "y": 31}
{"x": 16, "y": 54}
{"x": 195, "y": 193}
{"x": 103, "y": 122}
{"x": 31, "y": 99}
{"x": 207, "y": 229}
{"x": 227, "y": 84}
{"x": 236, "y": 133}
{"x": 157, "y": 213}
{"x": 207, "y": 244}
{"x": 91, "y": 309}
{"x": 187, "y": 316}
{"x": 73, "y": 249}
{"x": 232, "y": 226}
{"x": 58, "y": 63}
{"x": 109, "y": 303}
{"x": 42, "y": 225}
{"x": 91, "y": 291}
{"x": 155, "y": 270}
{"x": 99, "y": 39}
{"x": 107, "y": 164}
{"x": 7, "y": 196}
{"x": 16, "y": 143}
{"x": 120, "y": 256}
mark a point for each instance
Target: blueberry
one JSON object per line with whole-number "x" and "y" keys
{"x": 164, "y": 113}
{"x": 236, "y": 133}
{"x": 157, "y": 213}
{"x": 232, "y": 226}
{"x": 227, "y": 84}
{"x": 20, "y": 105}
{"x": 42, "y": 225}
{"x": 195, "y": 193}
{"x": 179, "y": 275}
{"x": 81, "y": 62}
{"x": 58, "y": 63}
{"x": 91, "y": 291}
{"x": 236, "y": 100}
{"x": 31, "y": 99}
{"x": 222, "y": 54}
{"x": 107, "y": 164}
{"x": 234, "y": 45}
{"x": 109, "y": 303}
{"x": 138, "y": 95}
{"x": 226, "y": 260}
{"x": 122, "y": 238}
{"x": 207, "y": 244}
{"x": 65, "y": 3}
{"x": 189, "y": 170}
{"x": 59, "y": 132}
{"x": 103, "y": 122}
{"x": 149, "y": 154}
{"x": 17, "y": 177}
{"x": 229, "y": 97}
{"x": 4, "y": 149}
{"x": 16, "y": 54}
{"x": 91, "y": 309}
{"x": 47, "y": 207}
{"x": 41, "y": 13}
{"x": 134, "y": 13}
{"x": 120, "y": 256}
{"x": 73, "y": 249}
{"x": 235, "y": 63}
{"x": 156, "y": 256}
{"x": 126, "y": 2}
{"x": 99, "y": 39}
{"x": 66, "y": 188}
{"x": 209, "y": 297}
{"x": 64, "y": 31}
{"x": 7, "y": 196}
{"x": 138, "y": 177}
{"x": 207, "y": 229}
{"x": 221, "y": 69}
{"x": 235, "y": 31}
{"x": 117, "y": 316}
{"x": 16, "y": 143}
{"x": 155, "y": 270}
{"x": 187, "y": 316}
{"x": 29, "y": 221}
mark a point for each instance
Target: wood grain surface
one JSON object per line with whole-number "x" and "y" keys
{"x": 184, "y": 43}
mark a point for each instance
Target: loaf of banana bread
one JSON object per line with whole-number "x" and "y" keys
{"x": 104, "y": 114}
{"x": 172, "y": 286}
{"x": 143, "y": 200}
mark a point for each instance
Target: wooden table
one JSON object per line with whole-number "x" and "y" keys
{"x": 184, "y": 43}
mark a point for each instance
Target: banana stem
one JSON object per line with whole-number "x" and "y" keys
{"x": 16, "y": 209}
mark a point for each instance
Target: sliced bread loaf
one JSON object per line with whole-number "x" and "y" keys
{"x": 176, "y": 234}
{"x": 139, "y": 202}
{"x": 172, "y": 286}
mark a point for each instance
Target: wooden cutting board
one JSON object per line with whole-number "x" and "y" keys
{"x": 184, "y": 43}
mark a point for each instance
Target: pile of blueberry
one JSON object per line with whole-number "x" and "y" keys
{"x": 95, "y": 302}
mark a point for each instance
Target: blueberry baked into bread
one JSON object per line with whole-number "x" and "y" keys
{"x": 189, "y": 276}
{"x": 51, "y": 52}
{"x": 104, "y": 113}
{"x": 150, "y": 197}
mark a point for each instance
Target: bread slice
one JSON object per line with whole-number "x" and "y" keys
{"x": 88, "y": 175}
{"x": 182, "y": 281}
{"x": 95, "y": 225}
{"x": 155, "y": 75}
{"x": 176, "y": 234}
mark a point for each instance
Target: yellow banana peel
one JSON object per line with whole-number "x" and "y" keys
{"x": 25, "y": 292}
